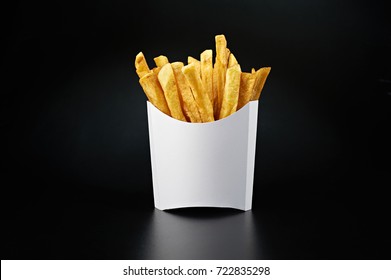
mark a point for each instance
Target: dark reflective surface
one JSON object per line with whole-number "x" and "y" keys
{"x": 102, "y": 224}
{"x": 203, "y": 233}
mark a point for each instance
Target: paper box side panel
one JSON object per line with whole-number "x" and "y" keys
{"x": 154, "y": 168}
{"x": 251, "y": 146}
{"x": 200, "y": 164}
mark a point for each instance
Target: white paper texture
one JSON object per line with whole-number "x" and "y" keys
{"x": 203, "y": 164}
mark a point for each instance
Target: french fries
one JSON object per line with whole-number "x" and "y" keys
{"x": 189, "y": 105}
{"x": 161, "y": 60}
{"x": 150, "y": 84}
{"x": 247, "y": 82}
{"x": 207, "y": 73}
{"x": 203, "y": 102}
{"x": 200, "y": 91}
{"x": 196, "y": 62}
{"x": 141, "y": 65}
{"x": 231, "y": 91}
{"x": 219, "y": 72}
{"x": 167, "y": 80}
{"x": 262, "y": 74}
{"x": 232, "y": 60}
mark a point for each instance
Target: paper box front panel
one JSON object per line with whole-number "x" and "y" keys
{"x": 203, "y": 164}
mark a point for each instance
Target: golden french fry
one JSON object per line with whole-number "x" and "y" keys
{"x": 156, "y": 70}
{"x": 167, "y": 81}
{"x": 203, "y": 102}
{"x": 227, "y": 54}
{"x": 190, "y": 108}
{"x": 161, "y": 60}
{"x": 232, "y": 60}
{"x": 257, "y": 74}
{"x": 191, "y": 59}
{"x": 141, "y": 65}
{"x": 247, "y": 81}
{"x": 262, "y": 74}
{"x": 197, "y": 63}
{"x": 221, "y": 49}
{"x": 150, "y": 84}
{"x": 200, "y": 91}
{"x": 215, "y": 87}
{"x": 220, "y": 69}
{"x": 207, "y": 73}
{"x": 231, "y": 91}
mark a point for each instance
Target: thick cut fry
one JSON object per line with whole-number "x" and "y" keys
{"x": 262, "y": 74}
{"x": 219, "y": 71}
{"x": 247, "y": 81}
{"x": 207, "y": 73}
{"x": 189, "y": 104}
{"x": 191, "y": 59}
{"x": 257, "y": 74}
{"x": 231, "y": 91}
{"x": 141, "y": 65}
{"x": 203, "y": 102}
{"x": 227, "y": 54}
{"x": 156, "y": 70}
{"x": 222, "y": 53}
{"x": 161, "y": 60}
{"x": 232, "y": 60}
{"x": 167, "y": 81}
{"x": 150, "y": 84}
{"x": 197, "y": 63}
{"x": 215, "y": 87}
{"x": 203, "y": 90}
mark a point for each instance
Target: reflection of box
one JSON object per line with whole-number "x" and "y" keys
{"x": 203, "y": 164}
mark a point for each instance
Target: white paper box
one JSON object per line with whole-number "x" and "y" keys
{"x": 203, "y": 164}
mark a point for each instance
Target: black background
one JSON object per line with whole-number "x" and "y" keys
{"x": 76, "y": 176}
